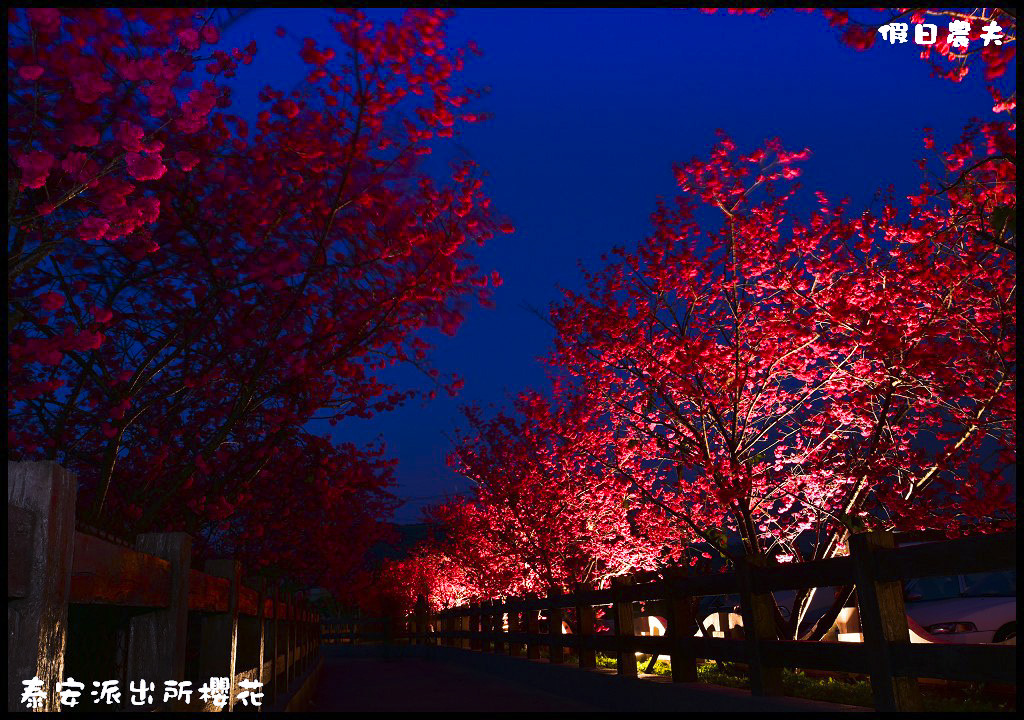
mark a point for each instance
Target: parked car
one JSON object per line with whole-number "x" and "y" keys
{"x": 651, "y": 621}
{"x": 964, "y": 609}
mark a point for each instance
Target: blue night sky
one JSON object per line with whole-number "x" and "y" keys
{"x": 591, "y": 109}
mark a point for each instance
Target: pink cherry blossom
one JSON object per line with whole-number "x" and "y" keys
{"x": 90, "y": 86}
{"x": 83, "y": 135}
{"x": 30, "y": 72}
{"x": 45, "y": 20}
{"x": 145, "y": 167}
{"x": 51, "y": 301}
{"x": 187, "y": 160}
{"x": 93, "y": 228}
{"x": 130, "y": 136}
{"x": 35, "y": 167}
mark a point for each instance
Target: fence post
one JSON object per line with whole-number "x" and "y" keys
{"x": 515, "y": 627}
{"x": 301, "y": 645}
{"x": 532, "y": 628}
{"x": 302, "y": 637}
{"x": 622, "y": 614}
{"x": 297, "y": 633}
{"x": 474, "y": 626}
{"x": 275, "y": 667}
{"x": 499, "y": 627}
{"x": 485, "y": 626}
{"x": 421, "y": 620}
{"x": 40, "y": 538}
{"x": 883, "y": 619}
{"x": 758, "y": 626}
{"x": 307, "y": 639}
{"x": 466, "y": 643}
{"x": 723, "y": 623}
{"x": 261, "y": 618}
{"x": 220, "y": 632}
{"x": 289, "y": 646}
{"x": 493, "y": 624}
{"x": 156, "y": 640}
{"x": 585, "y": 629}
{"x": 309, "y": 633}
{"x": 555, "y": 653}
{"x": 680, "y": 620}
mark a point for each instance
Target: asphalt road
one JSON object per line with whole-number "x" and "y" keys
{"x": 416, "y": 685}
{"x": 439, "y": 679}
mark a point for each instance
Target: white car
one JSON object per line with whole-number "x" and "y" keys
{"x": 965, "y": 609}
{"x": 961, "y": 609}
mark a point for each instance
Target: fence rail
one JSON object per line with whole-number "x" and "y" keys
{"x": 875, "y": 566}
{"x": 81, "y": 603}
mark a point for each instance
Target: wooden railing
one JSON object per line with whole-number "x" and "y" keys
{"x": 93, "y": 609}
{"x": 875, "y": 566}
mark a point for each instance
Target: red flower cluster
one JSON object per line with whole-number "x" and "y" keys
{"x": 188, "y": 293}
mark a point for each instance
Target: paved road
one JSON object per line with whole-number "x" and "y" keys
{"x": 438, "y": 679}
{"x": 413, "y": 685}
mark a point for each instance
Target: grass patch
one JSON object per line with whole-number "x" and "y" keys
{"x": 843, "y": 689}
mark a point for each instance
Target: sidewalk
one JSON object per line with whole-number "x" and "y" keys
{"x": 408, "y": 684}
{"x": 431, "y": 679}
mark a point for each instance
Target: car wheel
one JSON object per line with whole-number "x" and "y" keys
{"x": 1006, "y": 632}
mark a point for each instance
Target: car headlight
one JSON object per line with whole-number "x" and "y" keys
{"x": 947, "y": 628}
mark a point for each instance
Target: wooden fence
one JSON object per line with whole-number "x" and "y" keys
{"x": 85, "y": 607}
{"x": 875, "y": 566}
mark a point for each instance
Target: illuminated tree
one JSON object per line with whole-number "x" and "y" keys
{"x": 186, "y": 291}
{"x": 542, "y": 514}
{"x": 789, "y": 382}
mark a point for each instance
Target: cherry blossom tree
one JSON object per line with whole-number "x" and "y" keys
{"x": 314, "y": 522}
{"x": 792, "y": 381}
{"x": 542, "y": 515}
{"x": 186, "y": 291}
{"x": 427, "y": 571}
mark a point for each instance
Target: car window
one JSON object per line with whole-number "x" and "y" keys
{"x": 991, "y": 584}
{"x": 932, "y": 588}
